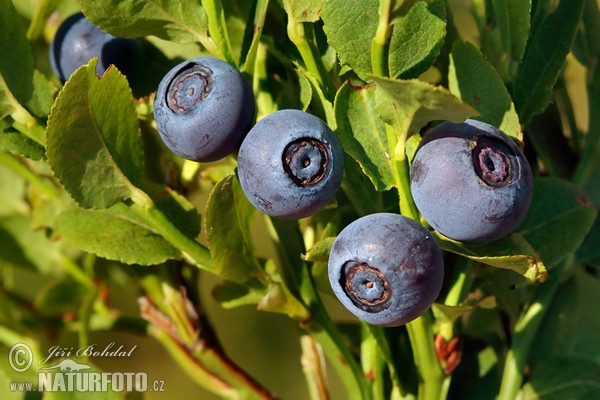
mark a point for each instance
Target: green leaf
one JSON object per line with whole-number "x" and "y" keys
{"x": 417, "y": 35}
{"x": 42, "y": 98}
{"x": 182, "y": 21}
{"x": 476, "y": 82}
{"x": 176, "y": 207}
{"x": 230, "y": 294}
{"x": 12, "y": 192}
{"x": 558, "y": 220}
{"x": 228, "y": 222}
{"x": 350, "y": 27}
{"x": 19, "y": 144}
{"x": 319, "y": 252}
{"x": 544, "y": 57}
{"x": 362, "y": 133}
{"x": 452, "y": 313}
{"x": 417, "y": 38}
{"x": 116, "y": 233}
{"x": 16, "y": 60}
{"x": 511, "y": 252}
{"x": 409, "y": 105}
{"x": 93, "y": 142}
{"x": 303, "y": 10}
{"x": 60, "y": 296}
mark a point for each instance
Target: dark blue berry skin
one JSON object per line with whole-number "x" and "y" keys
{"x": 290, "y": 165}
{"x": 386, "y": 269}
{"x": 77, "y": 41}
{"x": 204, "y": 108}
{"x": 471, "y": 182}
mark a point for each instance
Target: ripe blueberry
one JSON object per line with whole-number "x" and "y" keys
{"x": 204, "y": 108}
{"x": 386, "y": 269}
{"x": 77, "y": 41}
{"x": 470, "y": 181}
{"x": 290, "y": 165}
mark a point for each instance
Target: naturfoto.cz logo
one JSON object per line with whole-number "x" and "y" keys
{"x": 69, "y": 375}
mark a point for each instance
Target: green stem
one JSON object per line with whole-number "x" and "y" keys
{"x": 76, "y": 272}
{"x": 34, "y": 179}
{"x": 194, "y": 252}
{"x": 26, "y": 123}
{"x": 380, "y": 43}
{"x": 401, "y": 173}
{"x": 303, "y": 37}
{"x": 319, "y": 325}
{"x": 431, "y": 376}
{"x": 38, "y": 22}
{"x": 385, "y": 351}
{"x": 217, "y": 28}
{"x": 9, "y": 338}
{"x": 525, "y": 330}
{"x": 260, "y": 13}
{"x": 461, "y": 282}
{"x": 313, "y": 366}
{"x": 189, "y": 364}
{"x": 373, "y": 362}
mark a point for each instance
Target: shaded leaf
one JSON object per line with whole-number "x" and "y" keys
{"x": 512, "y": 18}
{"x": 12, "y": 192}
{"x": 589, "y": 251}
{"x": 21, "y": 246}
{"x": 59, "y": 297}
{"x": 94, "y": 143}
{"x": 228, "y": 222}
{"x": 545, "y": 54}
{"x": 555, "y": 226}
{"x": 570, "y": 330}
{"x": 563, "y": 378}
{"x": 16, "y": 60}
{"x": 558, "y": 220}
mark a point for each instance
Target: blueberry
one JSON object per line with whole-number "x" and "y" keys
{"x": 77, "y": 41}
{"x": 204, "y": 108}
{"x": 386, "y": 269}
{"x": 290, "y": 165}
{"x": 470, "y": 181}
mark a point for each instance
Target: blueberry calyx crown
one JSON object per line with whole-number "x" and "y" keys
{"x": 366, "y": 286}
{"x": 492, "y": 161}
{"x": 189, "y": 88}
{"x": 305, "y": 161}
